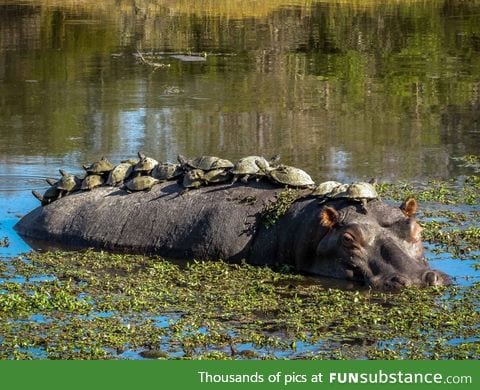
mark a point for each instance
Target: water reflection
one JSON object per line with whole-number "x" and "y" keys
{"x": 343, "y": 90}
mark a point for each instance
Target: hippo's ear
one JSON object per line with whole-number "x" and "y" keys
{"x": 409, "y": 207}
{"x": 329, "y": 217}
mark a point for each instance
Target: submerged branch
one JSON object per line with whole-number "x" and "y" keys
{"x": 143, "y": 60}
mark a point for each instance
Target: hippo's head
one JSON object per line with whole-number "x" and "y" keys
{"x": 377, "y": 244}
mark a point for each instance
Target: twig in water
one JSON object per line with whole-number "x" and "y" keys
{"x": 150, "y": 63}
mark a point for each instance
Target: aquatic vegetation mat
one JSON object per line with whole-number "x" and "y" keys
{"x": 465, "y": 191}
{"x": 94, "y": 305}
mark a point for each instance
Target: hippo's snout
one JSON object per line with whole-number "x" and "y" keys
{"x": 428, "y": 278}
{"x": 435, "y": 278}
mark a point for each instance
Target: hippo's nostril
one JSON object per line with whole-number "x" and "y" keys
{"x": 432, "y": 278}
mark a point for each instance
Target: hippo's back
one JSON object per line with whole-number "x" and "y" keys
{"x": 216, "y": 222}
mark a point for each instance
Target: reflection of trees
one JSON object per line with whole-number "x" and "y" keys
{"x": 329, "y": 86}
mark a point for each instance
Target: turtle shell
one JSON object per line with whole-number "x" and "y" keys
{"x": 146, "y": 164}
{"x": 361, "y": 190}
{"x": 131, "y": 161}
{"x": 217, "y": 176}
{"x": 92, "y": 181}
{"x": 207, "y": 163}
{"x": 339, "y": 191}
{"x": 251, "y": 165}
{"x": 119, "y": 174}
{"x": 51, "y": 194}
{"x": 141, "y": 183}
{"x": 325, "y": 188}
{"x": 99, "y": 167}
{"x": 167, "y": 171}
{"x": 291, "y": 176}
{"x": 69, "y": 183}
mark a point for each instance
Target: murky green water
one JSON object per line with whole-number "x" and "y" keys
{"x": 389, "y": 90}
{"x": 346, "y": 90}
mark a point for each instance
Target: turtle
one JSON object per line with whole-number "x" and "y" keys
{"x": 100, "y": 167}
{"x": 92, "y": 181}
{"x": 325, "y": 188}
{"x": 275, "y": 160}
{"x": 216, "y": 175}
{"x": 193, "y": 179}
{"x": 167, "y": 171}
{"x": 52, "y": 182}
{"x": 119, "y": 174}
{"x": 68, "y": 182}
{"x": 338, "y": 192}
{"x": 141, "y": 183}
{"x": 50, "y": 195}
{"x": 361, "y": 192}
{"x": 250, "y": 166}
{"x": 291, "y": 176}
{"x": 356, "y": 191}
{"x": 205, "y": 163}
{"x": 131, "y": 161}
{"x": 145, "y": 165}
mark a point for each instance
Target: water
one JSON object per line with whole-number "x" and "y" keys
{"x": 346, "y": 90}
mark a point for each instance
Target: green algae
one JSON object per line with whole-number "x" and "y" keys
{"x": 462, "y": 190}
{"x": 276, "y": 209}
{"x": 469, "y": 161}
{"x": 441, "y": 191}
{"x": 102, "y": 305}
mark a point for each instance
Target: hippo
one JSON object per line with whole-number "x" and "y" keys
{"x": 376, "y": 244}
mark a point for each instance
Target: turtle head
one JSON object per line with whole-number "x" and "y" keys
{"x": 182, "y": 160}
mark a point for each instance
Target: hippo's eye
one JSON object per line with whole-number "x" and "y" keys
{"x": 348, "y": 239}
{"x": 353, "y": 237}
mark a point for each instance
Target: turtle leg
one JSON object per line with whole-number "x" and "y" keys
{"x": 39, "y": 196}
{"x": 183, "y": 192}
{"x": 245, "y": 178}
{"x": 364, "y": 205}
